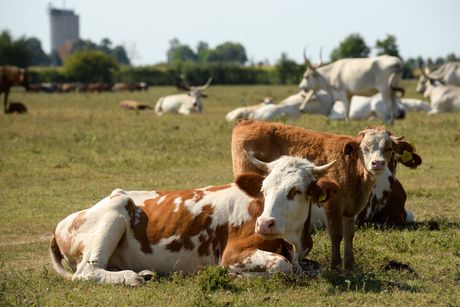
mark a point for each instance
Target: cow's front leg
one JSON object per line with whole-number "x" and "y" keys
{"x": 348, "y": 234}
{"x": 102, "y": 242}
{"x": 334, "y": 228}
{"x": 257, "y": 262}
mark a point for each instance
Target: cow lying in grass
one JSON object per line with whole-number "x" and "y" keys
{"x": 361, "y": 160}
{"x": 253, "y": 225}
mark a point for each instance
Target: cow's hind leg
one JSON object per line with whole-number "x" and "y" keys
{"x": 255, "y": 262}
{"x": 102, "y": 242}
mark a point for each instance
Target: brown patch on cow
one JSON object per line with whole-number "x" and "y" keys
{"x": 256, "y": 208}
{"x": 77, "y": 222}
{"x": 250, "y": 183}
{"x": 139, "y": 225}
{"x": 218, "y": 188}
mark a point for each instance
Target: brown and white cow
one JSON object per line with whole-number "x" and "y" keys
{"x": 128, "y": 232}
{"x": 361, "y": 160}
{"x": 9, "y": 76}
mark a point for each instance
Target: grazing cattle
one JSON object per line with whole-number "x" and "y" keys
{"x": 358, "y": 76}
{"x": 97, "y": 87}
{"x": 244, "y": 112}
{"x": 444, "y": 98}
{"x": 254, "y": 225}
{"x": 363, "y": 107}
{"x": 16, "y": 107}
{"x": 68, "y": 87}
{"x": 184, "y": 104}
{"x": 447, "y": 74}
{"x": 360, "y": 162}
{"x": 10, "y": 76}
{"x": 132, "y": 105}
{"x": 123, "y": 87}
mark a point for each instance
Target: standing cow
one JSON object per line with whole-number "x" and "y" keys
{"x": 184, "y": 104}
{"x": 9, "y": 76}
{"x": 254, "y": 225}
{"x": 363, "y": 76}
{"x": 361, "y": 160}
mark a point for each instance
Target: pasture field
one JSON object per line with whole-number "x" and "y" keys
{"x": 71, "y": 150}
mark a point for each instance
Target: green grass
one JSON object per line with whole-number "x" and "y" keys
{"x": 71, "y": 150}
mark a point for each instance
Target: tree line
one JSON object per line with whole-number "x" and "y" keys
{"x": 227, "y": 63}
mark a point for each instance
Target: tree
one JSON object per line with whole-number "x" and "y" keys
{"x": 387, "y": 46}
{"x": 202, "y": 50}
{"x": 39, "y": 57}
{"x": 90, "y": 66}
{"x": 14, "y": 52}
{"x": 178, "y": 52}
{"x": 228, "y": 52}
{"x": 118, "y": 52}
{"x": 288, "y": 70}
{"x": 353, "y": 46}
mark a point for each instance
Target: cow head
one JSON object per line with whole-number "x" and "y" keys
{"x": 426, "y": 80}
{"x": 197, "y": 95}
{"x": 377, "y": 146}
{"x": 311, "y": 78}
{"x": 289, "y": 188}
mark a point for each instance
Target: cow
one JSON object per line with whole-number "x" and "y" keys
{"x": 10, "y": 76}
{"x": 319, "y": 103}
{"x": 447, "y": 74}
{"x": 133, "y": 105}
{"x": 97, "y": 87}
{"x": 415, "y": 105}
{"x": 16, "y": 107}
{"x": 244, "y": 112}
{"x": 360, "y": 161}
{"x": 250, "y": 226}
{"x": 444, "y": 98}
{"x": 357, "y": 76}
{"x": 123, "y": 87}
{"x": 363, "y": 107}
{"x": 184, "y": 104}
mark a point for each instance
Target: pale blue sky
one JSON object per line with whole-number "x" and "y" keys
{"x": 265, "y": 28}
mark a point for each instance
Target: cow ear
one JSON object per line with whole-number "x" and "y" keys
{"x": 250, "y": 183}
{"x": 400, "y": 146}
{"x": 323, "y": 189}
{"x": 350, "y": 147}
{"x": 410, "y": 159}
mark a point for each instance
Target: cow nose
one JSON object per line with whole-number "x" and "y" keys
{"x": 378, "y": 164}
{"x": 265, "y": 226}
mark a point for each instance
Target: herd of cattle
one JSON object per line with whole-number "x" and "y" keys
{"x": 288, "y": 183}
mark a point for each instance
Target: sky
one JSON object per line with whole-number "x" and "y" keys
{"x": 266, "y": 28}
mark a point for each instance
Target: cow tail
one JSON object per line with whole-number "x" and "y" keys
{"x": 56, "y": 259}
{"x": 158, "y": 106}
{"x": 394, "y": 78}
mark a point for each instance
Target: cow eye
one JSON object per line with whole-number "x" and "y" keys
{"x": 292, "y": 193}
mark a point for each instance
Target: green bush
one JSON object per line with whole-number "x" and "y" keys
{"x": 90, "y": 66}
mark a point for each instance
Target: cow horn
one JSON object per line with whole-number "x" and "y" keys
{"x": 318, "y": 170}
{"x": 307, "y": 62}
{"x": 256, "y": 162}
{"x": 320, "y": 57}
{"x": 422, "y": 70}
{"x": 205, "y": 86}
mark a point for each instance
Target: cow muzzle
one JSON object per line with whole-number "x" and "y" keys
{"x": 266, "y": 226}
{"x": 378, "y": 165}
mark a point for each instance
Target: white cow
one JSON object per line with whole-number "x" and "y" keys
{"x": 185, "y": 104}
{"x": 244, "y": 112}
{"x": 362, "y": 76}
{"x": 363, "y": 107}
{"x": 447, "y": 74}
{"x": 444, "y": 98}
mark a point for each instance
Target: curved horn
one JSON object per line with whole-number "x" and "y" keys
{"x": 318, "y": 170}
{"x": 422, "y": 70}
{"x": 205, "y": 86}
{"x": 320, "y": 56}
{"x": 307, "y": 61}
{"x": 256, "y": 162}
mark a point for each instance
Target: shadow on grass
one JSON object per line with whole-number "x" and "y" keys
{"x": 432, "y": 225}
{"x": 360, "y": 281}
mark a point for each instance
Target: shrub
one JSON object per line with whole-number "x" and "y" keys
{"x": 90, "y": 66}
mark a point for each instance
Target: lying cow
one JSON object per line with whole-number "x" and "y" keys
{"x": 10, "y": 76}
{"x": 444, "y": 98}
{"x": 244, "y": 112}
{"x": 16, "y": 107}
{"x": 361, "y": 160}
{"x": 254, "y": 225}
{"x": 132, "y": 105}
{"x": 184, "y": 104}
{"x": 363, "y": 107}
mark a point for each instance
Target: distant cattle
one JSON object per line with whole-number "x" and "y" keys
{"x": 447, "y": 74}
{"x": 10, "y": 76}
{"x": 357, "y": 76}
{"x": 253, "y": 226}
{"x": 133, "y": 105}
{"x": 97, "y": 87}
{"x": 184, "y": 104}
{"x": 122, "y": 87}
{"x": 245, "y": 112}
{"x": 361, "y": 160}
{"x": 362, "y": 107}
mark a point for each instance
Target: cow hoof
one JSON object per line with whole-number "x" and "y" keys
{"x": 310, "y": 267}
{"x": 147, "y": 275}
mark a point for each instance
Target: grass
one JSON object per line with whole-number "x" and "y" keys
{"x": 71, "y": 150}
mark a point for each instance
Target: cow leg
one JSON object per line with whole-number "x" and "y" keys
{"x": 334, "y": 228}
{"x": 5, "y": 100}
{"x": 348, "y": 234}
{"x": 102, "y": 242}
{"x": 389, "y": 101}
{"x": 255, "y": 262}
